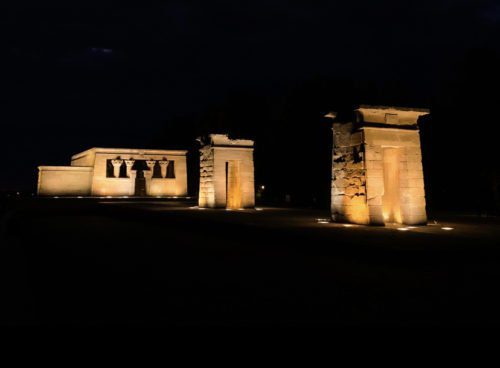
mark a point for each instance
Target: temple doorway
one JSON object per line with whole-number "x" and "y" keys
{"x": 391, "y": 202}
{"x": 233, "y": 185}
{"x": 140, "y": 184}
{"x": 140, "y": 179}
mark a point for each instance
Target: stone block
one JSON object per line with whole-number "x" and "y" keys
{"x": 376, "y": 215}
{"x": 373, "y": 154}
{"x": 374, "y": 190}
{"x": 374, "y": 173}
{"x": 414, "y": 166}
{"x": 374, "y": 164}
{"x": 356, "y": 139}
{"x": 412, "y": 183}
{"x": 375, "y": 201}
{"x": 411, "y": 200}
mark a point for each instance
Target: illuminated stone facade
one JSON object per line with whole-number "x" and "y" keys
{"x": 117, "y": 172}
{"x": 226, "y": 173}
{"x": 377, "y": 175}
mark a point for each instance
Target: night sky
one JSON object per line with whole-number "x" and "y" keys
{"x": 82, "y": 74}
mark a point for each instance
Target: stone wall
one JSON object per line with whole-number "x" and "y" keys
{"x": 104, "y": 186}
{"x": 244, "y": 156}
{"x": 64, "y": 181}
{"x": 207, "y": 189}
{"x": 87, "y": 174}
{"x": 349, "y": 197}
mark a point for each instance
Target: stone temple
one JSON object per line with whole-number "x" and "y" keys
{"x": 226, "y": 173}
{"x": 117, "y": 172}
{"x": 377, "y": 175}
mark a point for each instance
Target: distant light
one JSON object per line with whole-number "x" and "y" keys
{"x": 447, "y": 228}
{"x": 175, "y": 197}
{"x": 403, "y": 229}
{"x": 79, "y": 197}
{"x": 229, "y": 209}
{"x": 56, "y": 197}
{"x": 109, "y": 197}
{"x": 262, "y": 187}
{"x": 18, "y": 193}
{"x": 259, "y": 209}
{"x": 322, "y": 221}
{"x": 348, "y": 225}
{"x": 241, "y": 209}
{"x": 158, "y": 196}
{"x": 125, "y": 197}
{"x": 411, "y": 227}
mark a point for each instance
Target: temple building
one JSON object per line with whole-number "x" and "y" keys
{"x": 117, "y": 172}
{"x": 377, "y": 175}
{"x": 226, "y": 173}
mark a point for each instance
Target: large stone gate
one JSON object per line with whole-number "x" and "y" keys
{"x": 377, "y": 175}
{"x": 226, "y": 173}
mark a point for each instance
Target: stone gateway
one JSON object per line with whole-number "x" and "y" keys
{"x": 117, "y": 172}
{"x": 226, "y": 173}
{"x": 377, "y": 175}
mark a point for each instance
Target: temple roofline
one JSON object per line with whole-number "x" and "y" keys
{"x": 135, "y": 151}
{"x": 397, "y": 108}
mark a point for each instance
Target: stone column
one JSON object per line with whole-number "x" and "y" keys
{"x": 151, "y": 165}
{"x": 133, "y": 175}
{"x": 163, "y": 166}
{"x": 148, "y": 174}
{"x": 117, "y": 163}
{"x": 129, "y": 164}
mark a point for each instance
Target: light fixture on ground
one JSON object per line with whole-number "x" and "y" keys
{"x": 323, "y": 221}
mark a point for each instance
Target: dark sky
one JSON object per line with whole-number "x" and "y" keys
{"x": 81, "y": 74}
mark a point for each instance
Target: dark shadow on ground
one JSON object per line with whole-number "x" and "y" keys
{"x": 70, "y": 261}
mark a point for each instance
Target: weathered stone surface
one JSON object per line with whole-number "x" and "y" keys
{"x": 226, "y": 173}
{"x": 377, "y": 169}
{"x": 93, "y": 179}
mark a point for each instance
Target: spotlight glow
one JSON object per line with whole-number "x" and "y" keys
{"x": 447, "y": 228}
